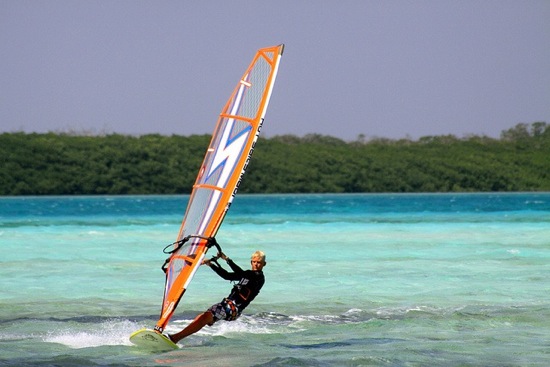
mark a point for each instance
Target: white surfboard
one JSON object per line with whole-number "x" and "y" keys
{"x": 152, "y": 340}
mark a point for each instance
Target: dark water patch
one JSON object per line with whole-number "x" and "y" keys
{"x": 522, "y": 313}
{"x": 59, "y": 361}
{"x": 343, "y": 343}
{"x": 326, "y": 345}
{"x": 146, "y": 210}
{"x": 293, "y": 361}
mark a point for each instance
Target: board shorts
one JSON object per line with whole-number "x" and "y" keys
{"x": 225, "y": 310}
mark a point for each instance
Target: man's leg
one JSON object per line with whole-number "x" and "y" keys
{"x": 200, "y": 321}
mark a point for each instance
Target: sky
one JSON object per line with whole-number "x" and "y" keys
{"x": 377, "y": 69}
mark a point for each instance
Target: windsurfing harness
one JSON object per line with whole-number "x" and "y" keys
{"x": 249, "y": 283}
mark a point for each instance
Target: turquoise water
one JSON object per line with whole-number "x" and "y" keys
{"x": 351, "y": 280}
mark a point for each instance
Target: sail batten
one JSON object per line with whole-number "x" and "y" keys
{"x": 226, "y": 159}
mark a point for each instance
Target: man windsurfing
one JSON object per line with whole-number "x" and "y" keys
{"x": 230, "y": 308}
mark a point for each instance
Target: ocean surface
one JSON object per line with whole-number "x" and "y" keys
{"x": 351, "y": 280}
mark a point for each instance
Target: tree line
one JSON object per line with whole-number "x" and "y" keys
{"x": 68, "y": 164}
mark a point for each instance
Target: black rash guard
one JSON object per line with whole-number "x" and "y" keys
{"x": 250, "y": 283}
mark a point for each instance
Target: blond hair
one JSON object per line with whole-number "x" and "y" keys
{"x": 259, "y": 254}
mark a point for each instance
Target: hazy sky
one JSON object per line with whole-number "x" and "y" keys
{"x": 380, "y": 68}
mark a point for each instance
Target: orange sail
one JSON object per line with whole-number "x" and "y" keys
{"x": 219, "y": 177}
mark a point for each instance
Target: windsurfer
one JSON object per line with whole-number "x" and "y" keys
{"x": 230, "y": 308}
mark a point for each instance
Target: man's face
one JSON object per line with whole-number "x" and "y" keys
{"x": 257, "y": 263}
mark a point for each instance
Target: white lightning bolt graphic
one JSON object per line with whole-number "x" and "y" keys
{"x": 231, "y": 152}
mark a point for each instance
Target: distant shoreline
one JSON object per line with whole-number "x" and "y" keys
{"x": 64, "y": 164}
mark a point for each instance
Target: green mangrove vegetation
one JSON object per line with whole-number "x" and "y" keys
{"x": 68, "y": 164}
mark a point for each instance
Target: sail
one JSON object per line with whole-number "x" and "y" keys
{"x": 226, "y": 159}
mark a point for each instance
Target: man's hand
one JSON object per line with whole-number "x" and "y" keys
{"x": 212, "y": 242}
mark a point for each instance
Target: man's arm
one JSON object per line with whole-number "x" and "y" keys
{"x": 222, "y": 272}
{"x": 236, "y": 268}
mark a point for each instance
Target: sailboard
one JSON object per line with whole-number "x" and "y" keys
{"x": 219, "y": 177}
{"x": 152, "y": 340}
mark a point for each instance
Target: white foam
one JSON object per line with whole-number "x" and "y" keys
{"x": 107, "y": 333}
{"x": 243, "y": 325}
